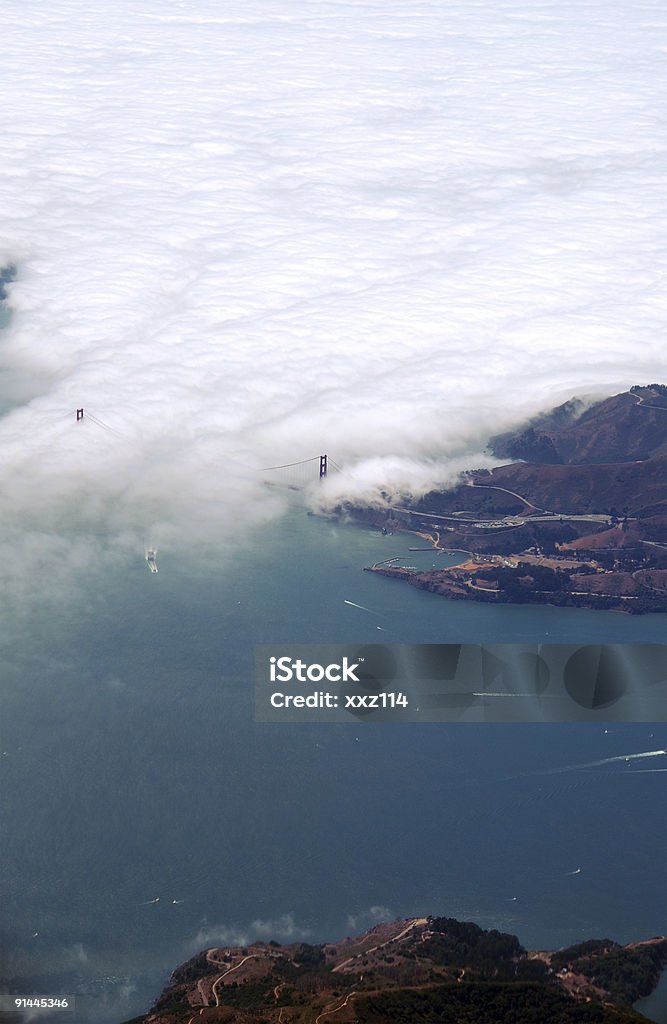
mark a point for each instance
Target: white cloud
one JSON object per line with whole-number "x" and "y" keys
{"x": 78, "y": 953}
{"x": 366, "y": 919}
{"x": 283, "y": 929}
{"x": 244, "y": 238}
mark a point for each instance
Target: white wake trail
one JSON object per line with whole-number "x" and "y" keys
{"x": 363, "y": 607}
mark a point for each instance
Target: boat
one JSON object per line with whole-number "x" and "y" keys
{"x": 151, "y": 559}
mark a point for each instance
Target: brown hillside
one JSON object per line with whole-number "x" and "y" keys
{"x": 624, "y": 428}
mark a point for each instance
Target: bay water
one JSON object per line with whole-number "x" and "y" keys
{"x": 147, "y": 816}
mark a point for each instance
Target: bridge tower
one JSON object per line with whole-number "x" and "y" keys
{"x": 324, "y": 461}
{"x": 79, "y": 415}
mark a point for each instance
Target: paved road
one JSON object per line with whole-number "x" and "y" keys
{"x": 492, "y": 487}
{"x": 505, "y": 521}
{"x": 641, "y": 401}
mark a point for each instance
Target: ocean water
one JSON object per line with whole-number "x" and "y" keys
{"x": 146, "y": 815}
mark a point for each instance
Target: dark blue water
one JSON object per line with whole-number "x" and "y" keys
{"x": 132, "y": 769}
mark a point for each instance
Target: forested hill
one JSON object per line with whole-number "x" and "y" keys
{"x": 434, "y": 970}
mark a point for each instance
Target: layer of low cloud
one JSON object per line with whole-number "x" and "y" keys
{"x": 283, "y": 929}
{"x": 247, "y": 236}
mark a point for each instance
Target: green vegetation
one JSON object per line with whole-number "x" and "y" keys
{"x": 440, "y": 971}
{"x": 464, "y": 944}
{"x": 568, "y": 956}
{"x": 248, "y": 995}
{"x": 485, "y": 1003}
{"x": 310, "y": 956}
{"x": 627, "y": 974}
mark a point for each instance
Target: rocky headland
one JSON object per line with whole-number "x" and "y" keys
{"x": 415, "y": 971}
{"x": 580, "y": 520}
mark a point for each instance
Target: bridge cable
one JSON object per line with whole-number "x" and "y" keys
{"x": 100, "y": 423}
{"x": 288, "y": 465}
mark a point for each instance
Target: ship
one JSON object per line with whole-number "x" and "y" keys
{"x": 151, "y": 559}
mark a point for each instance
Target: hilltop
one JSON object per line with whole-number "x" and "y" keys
{"x": 424, "y": 969}
{"x": 625, "y": 428}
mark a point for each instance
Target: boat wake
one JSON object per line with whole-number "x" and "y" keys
{"x": 354, "y": 604}
{"x": 588, "y": 765}
{"x": 621, "y": 757}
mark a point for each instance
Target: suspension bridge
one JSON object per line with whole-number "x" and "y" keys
{"x": 295, "y": 475}
{"x": 301, "y": 474}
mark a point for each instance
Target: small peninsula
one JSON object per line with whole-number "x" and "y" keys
{"x": 578, "y": 519}
{"x": 415, "y": 971}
